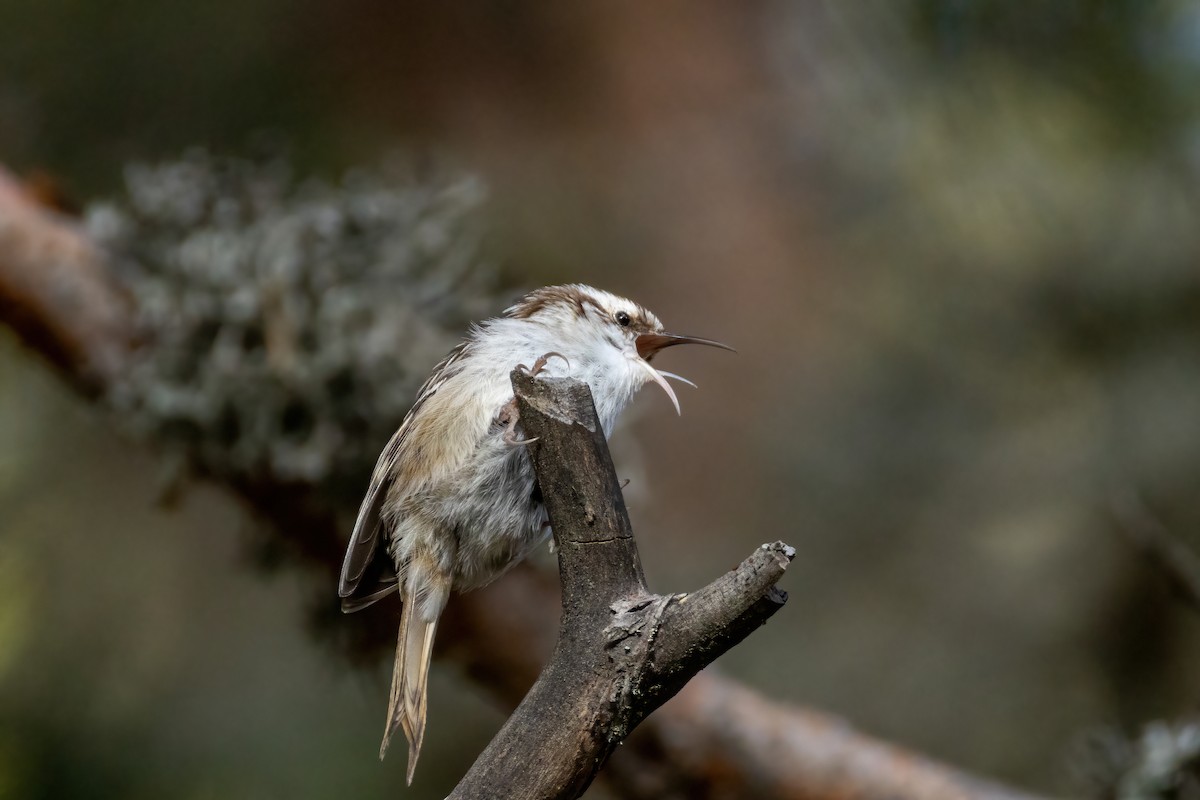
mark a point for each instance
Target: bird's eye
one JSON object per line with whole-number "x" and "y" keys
{"x": 622, "y": 319}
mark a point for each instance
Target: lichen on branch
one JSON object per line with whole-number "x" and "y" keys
{"x": 287, "y": 323}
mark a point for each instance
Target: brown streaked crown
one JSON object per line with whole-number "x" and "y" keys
{"x": 578, "y": 297}
{"x": 539, "y": 299}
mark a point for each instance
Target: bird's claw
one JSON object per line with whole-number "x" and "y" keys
{"x": 508, "y": 414}
{"x": 511, "y": 439}
{"x": 509, "y": 417}
{"x": 541, "y": 362}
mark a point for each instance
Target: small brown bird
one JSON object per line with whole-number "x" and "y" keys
{"x": 453, "y": 502}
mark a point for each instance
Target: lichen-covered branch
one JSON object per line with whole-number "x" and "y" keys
{"x": 715, "y": 740}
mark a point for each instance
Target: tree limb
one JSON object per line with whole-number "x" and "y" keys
{"x": 715, "y": 741}
{"x": 55, "y": 292}
{"x": 622, "y": 651}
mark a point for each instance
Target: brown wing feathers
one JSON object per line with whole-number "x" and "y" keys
{"x": 367, "y": 570}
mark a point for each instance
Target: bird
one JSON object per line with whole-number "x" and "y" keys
{"x": 453, "y": 500}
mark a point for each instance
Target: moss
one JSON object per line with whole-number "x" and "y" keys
{"x": 287, "y": 324}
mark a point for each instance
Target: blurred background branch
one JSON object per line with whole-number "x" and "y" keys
{"x": 763, "y": 749}
{"x": 55, "y": 293}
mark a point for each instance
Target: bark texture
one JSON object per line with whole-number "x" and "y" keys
{"x": 622, "y": 651}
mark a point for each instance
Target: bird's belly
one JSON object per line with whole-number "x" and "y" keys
{"x": 496, "y": 518}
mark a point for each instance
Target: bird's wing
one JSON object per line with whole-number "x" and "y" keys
{"x": 368, "y": 573}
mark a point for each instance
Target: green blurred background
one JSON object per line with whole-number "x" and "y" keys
{"x": 955, "y": 241}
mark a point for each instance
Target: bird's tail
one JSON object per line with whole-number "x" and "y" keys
{"x": 406, "y": 703}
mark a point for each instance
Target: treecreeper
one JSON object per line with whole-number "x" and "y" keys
{"x": 453, "y": 501}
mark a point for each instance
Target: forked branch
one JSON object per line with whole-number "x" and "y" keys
{"x": 622, "y": 651}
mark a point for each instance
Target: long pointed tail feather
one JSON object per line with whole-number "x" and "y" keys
{"x": 407, "y": 699}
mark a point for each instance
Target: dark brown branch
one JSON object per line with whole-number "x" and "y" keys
{"x": 715, "y": 740}
{"x": 709, "y": 622}
{"x": 596, "y": 551}
{"x": 622, "y": 651}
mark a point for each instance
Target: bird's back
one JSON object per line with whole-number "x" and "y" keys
{"x": 447, "y": 470}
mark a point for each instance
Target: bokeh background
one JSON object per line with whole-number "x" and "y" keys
{"x": 955, "y": 241}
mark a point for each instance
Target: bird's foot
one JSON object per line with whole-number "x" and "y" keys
{"x": 509, "y": 416}
{"x": 540, "y": 364}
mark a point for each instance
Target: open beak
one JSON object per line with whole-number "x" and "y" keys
{"x": 650, "y": 343}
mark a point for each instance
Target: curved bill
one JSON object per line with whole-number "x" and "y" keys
{"x": 660, "y": 380}
{"x": 650, "y": 343}
{"x": 679, "y": 378}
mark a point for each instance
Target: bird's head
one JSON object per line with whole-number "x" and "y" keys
{"x": 600, "y": 327}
